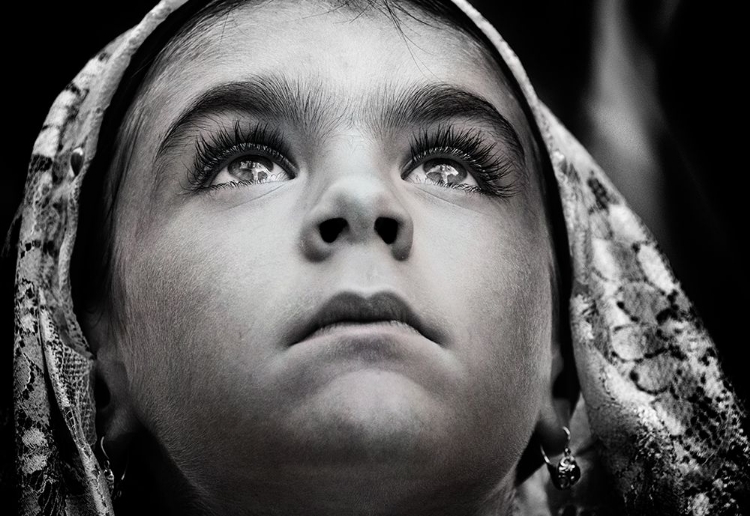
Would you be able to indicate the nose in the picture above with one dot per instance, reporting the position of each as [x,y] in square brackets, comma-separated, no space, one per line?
[357,209]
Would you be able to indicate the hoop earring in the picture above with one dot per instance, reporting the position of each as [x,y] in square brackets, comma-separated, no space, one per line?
[567,472]
[115,487]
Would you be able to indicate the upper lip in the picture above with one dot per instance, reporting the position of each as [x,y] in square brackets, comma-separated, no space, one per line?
[356,307]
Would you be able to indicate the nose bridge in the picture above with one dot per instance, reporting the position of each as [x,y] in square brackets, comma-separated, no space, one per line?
[360,199]
[356,203]
[352,182]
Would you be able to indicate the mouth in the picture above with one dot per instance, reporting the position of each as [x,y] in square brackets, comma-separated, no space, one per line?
[350,311]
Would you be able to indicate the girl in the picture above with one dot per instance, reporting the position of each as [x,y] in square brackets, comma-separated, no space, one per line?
[336,258]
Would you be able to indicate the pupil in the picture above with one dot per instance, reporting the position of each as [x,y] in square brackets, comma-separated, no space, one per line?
[255,168]
[438,170]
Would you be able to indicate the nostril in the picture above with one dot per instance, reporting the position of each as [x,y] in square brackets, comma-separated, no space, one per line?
[387,229]
[331,228]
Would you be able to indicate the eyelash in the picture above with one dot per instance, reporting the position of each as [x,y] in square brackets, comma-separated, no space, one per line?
[217,150]
[467,147]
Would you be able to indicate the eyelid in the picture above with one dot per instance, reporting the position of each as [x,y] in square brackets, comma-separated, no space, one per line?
[473,149]
[436,153]
[447,140]
[249,149]
[217,149]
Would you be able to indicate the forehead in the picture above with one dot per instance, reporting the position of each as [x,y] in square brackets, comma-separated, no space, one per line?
[341,39]
[348,59]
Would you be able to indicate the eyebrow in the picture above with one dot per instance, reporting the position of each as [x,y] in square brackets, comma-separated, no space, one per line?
[310,107]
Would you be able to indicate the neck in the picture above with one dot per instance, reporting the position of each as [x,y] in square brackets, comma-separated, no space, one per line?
[374,493]
[331,491]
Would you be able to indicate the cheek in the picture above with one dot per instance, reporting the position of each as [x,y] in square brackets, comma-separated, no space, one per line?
[494,281]
[205,311]
[193,319]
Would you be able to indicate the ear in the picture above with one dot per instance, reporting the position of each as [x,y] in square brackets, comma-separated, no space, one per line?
[558,402]
[560,399]
[115,417]
[563,389]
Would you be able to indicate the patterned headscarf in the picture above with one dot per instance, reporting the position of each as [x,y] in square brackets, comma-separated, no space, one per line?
[658,430]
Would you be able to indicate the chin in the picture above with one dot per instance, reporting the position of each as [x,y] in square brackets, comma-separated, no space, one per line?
[370,416]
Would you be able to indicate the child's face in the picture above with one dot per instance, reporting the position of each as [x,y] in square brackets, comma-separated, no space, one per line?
[219,275]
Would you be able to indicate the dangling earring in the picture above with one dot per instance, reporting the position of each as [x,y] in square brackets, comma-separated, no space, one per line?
[115,488]
[567,472]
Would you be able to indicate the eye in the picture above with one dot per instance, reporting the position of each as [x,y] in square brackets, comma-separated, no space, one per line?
[250,169]
[442,171]
[242,156]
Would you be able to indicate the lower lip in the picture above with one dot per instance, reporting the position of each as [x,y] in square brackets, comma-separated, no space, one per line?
[362,329]
[371,343]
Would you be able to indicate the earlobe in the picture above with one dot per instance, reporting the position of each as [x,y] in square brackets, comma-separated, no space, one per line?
[558,403]
[551,435]
[562,391]
[114,415]
[115,418]
[556,408]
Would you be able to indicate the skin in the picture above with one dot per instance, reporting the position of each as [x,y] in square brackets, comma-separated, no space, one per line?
[212,282]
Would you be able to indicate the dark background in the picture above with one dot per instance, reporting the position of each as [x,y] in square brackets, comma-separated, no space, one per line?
[678,67]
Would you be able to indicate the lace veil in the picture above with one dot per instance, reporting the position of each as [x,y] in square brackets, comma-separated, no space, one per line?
[656,416]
